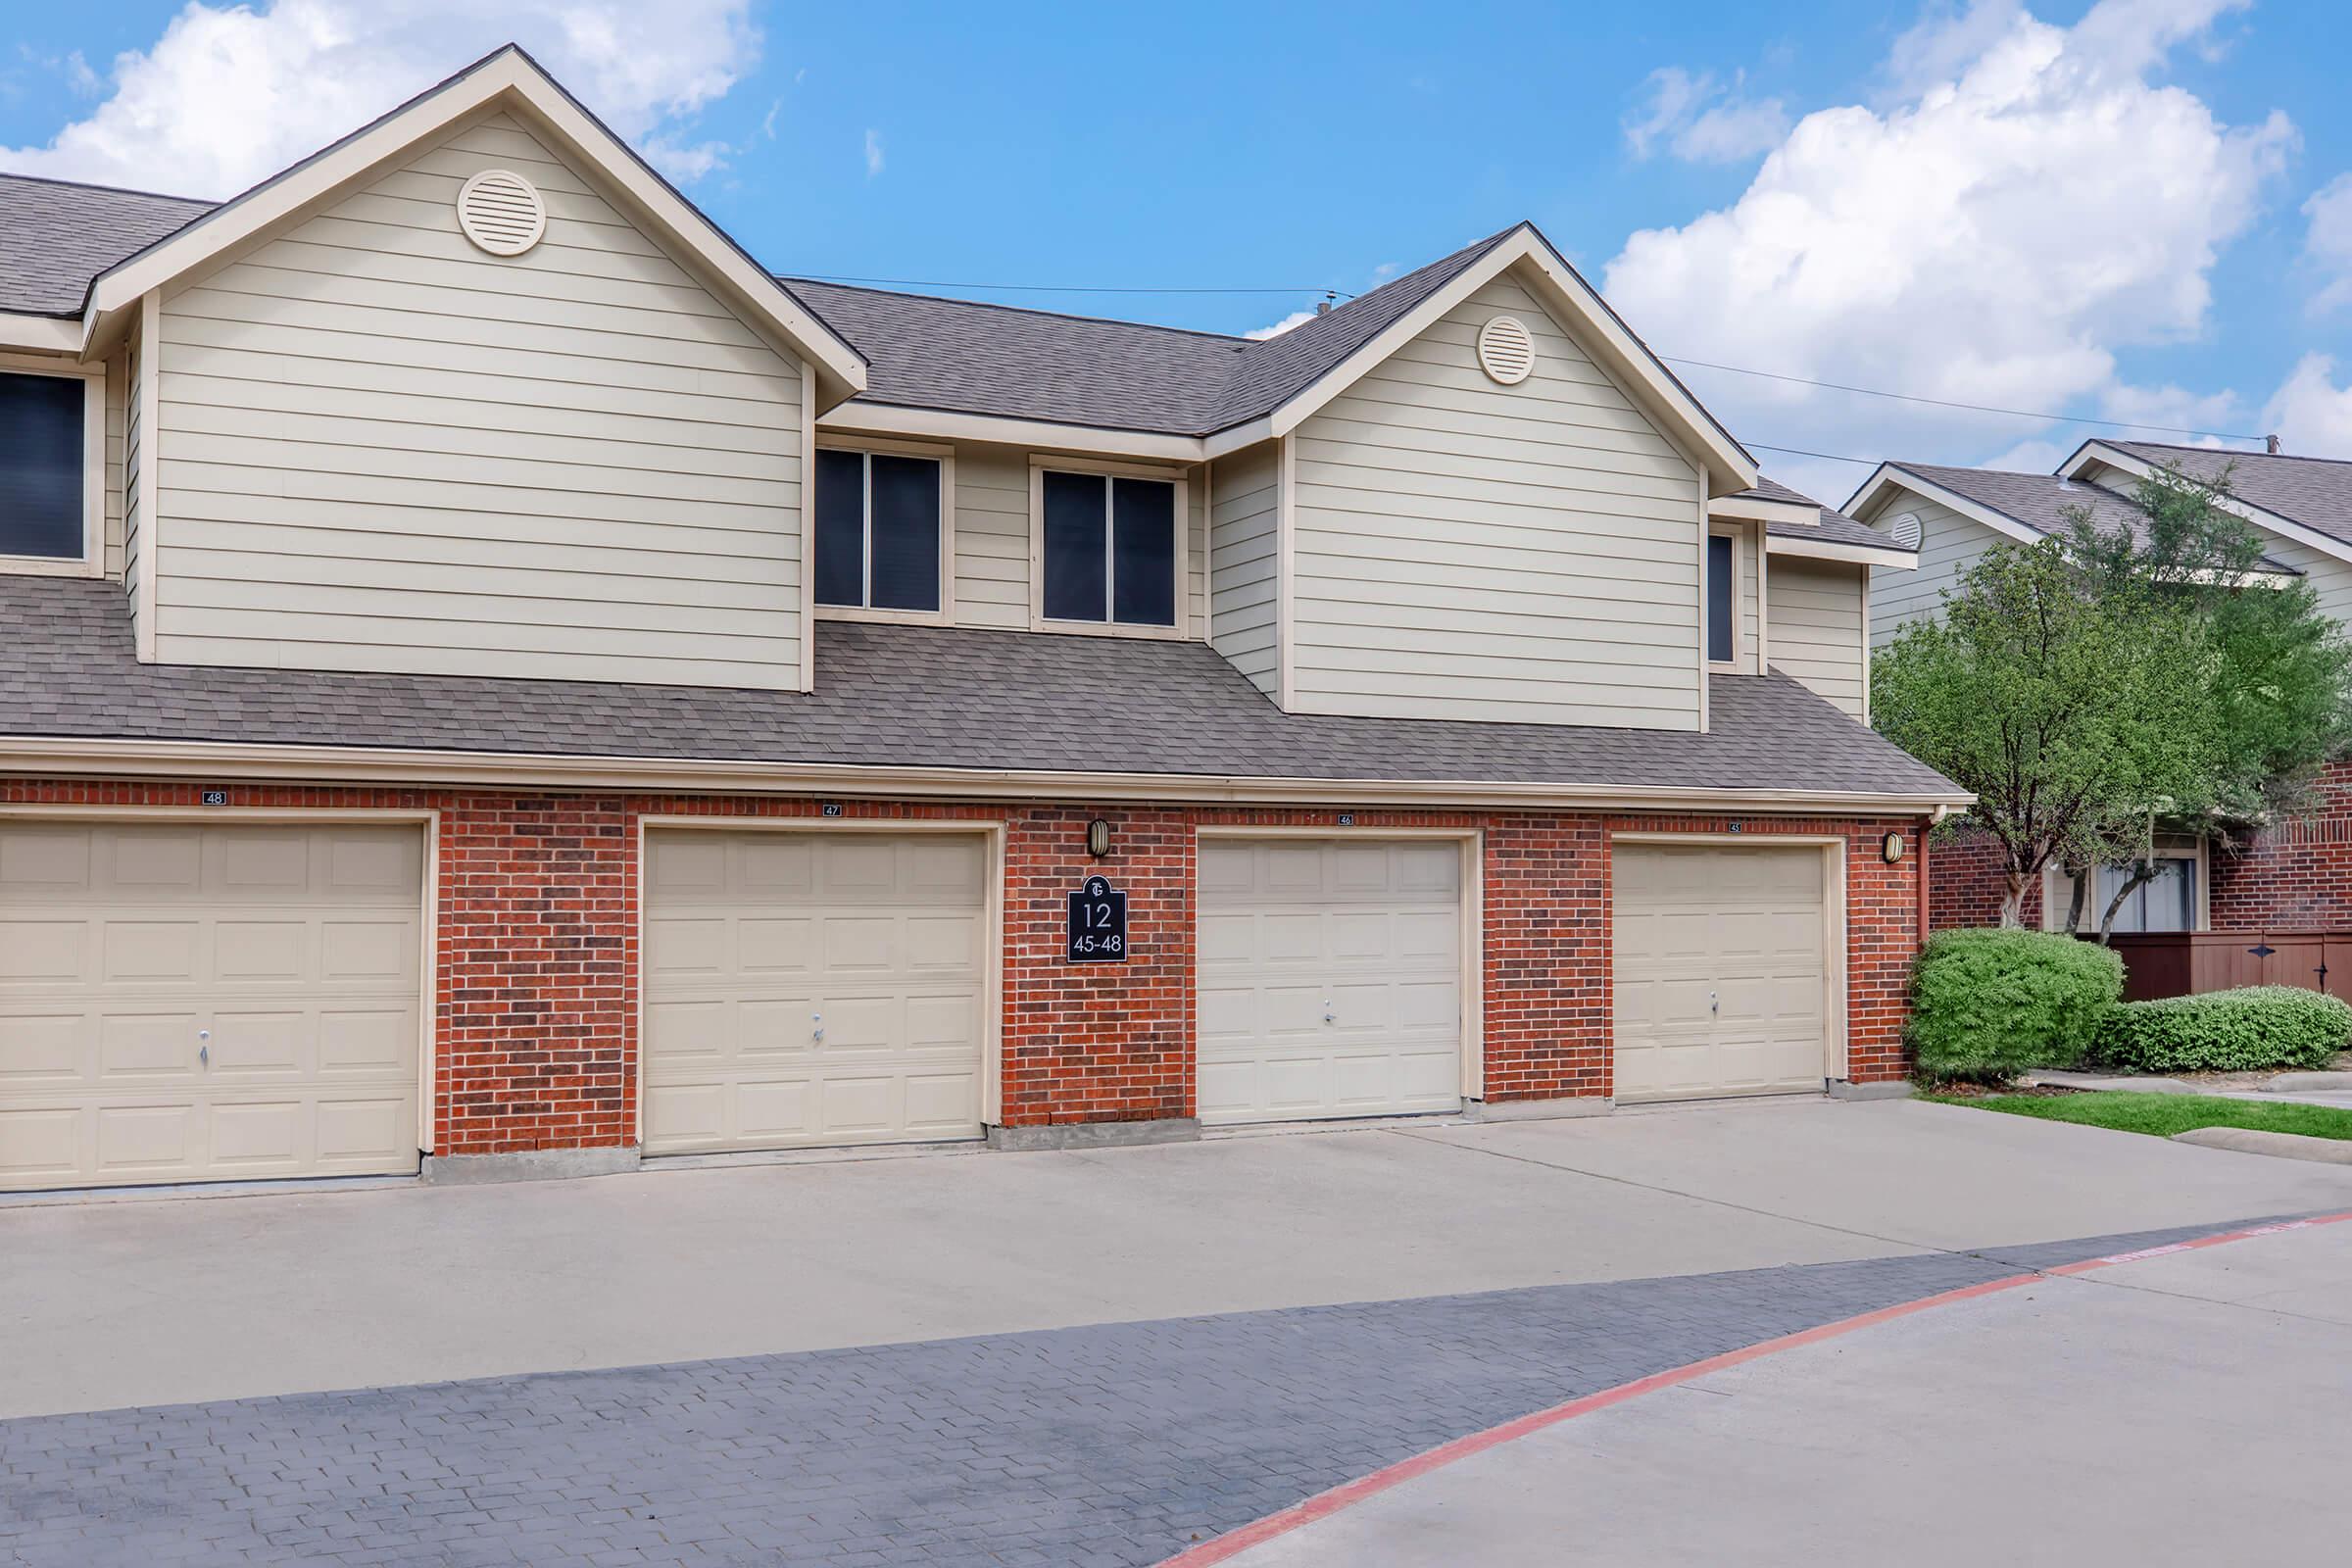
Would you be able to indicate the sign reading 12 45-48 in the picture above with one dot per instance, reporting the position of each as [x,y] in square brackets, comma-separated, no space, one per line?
[1098,931]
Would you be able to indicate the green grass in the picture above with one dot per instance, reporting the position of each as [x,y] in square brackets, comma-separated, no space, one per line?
[2162,1116]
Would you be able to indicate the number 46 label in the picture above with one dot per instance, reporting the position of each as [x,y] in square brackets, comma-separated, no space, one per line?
[1097,926]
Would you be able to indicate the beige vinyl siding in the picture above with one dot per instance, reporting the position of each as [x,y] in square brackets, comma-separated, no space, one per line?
[1948,545]
[134,543]
[386,450]
[1466,550]
[1244,563]
[992,537]
[1815,611]
[117,380]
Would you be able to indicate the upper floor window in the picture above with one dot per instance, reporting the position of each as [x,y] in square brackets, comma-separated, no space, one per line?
[1109,548]
[1723,598]
[44,468]
[880,530]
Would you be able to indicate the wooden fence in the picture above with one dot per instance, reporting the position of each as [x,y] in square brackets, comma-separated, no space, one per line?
[2186,964]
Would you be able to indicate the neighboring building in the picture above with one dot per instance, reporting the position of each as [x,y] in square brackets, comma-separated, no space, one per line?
[2297,874]
[490,671]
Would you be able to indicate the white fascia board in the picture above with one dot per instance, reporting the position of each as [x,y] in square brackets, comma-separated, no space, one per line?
[1754,508]
[857,418]
[39,335]
[1831,549]
[1620,353]
[508,74]
[2099,452]
[687,775]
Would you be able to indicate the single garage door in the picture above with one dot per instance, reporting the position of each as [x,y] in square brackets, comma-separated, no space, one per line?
[806,988]
[1721,970]
[1330,978]
[189,1002]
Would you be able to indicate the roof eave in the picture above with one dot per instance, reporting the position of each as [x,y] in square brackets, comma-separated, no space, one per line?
[73,757]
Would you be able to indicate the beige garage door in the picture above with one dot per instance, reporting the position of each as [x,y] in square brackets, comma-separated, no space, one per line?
[807,988]
[1330,978]
[189,1002]
[1721,974]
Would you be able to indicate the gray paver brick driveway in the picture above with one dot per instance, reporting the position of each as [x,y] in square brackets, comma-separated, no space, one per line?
[1111,1445]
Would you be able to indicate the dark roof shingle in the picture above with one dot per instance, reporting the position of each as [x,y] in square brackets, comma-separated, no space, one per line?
[1835,527]
[915,696]
[2316,492]
[2045,502]
[55,236]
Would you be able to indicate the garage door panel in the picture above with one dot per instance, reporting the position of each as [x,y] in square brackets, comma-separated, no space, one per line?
[881,935]
[675,946]
[1721,970]
[1368,931]
[295,948]
[43,1146]
[44,951]
[361,1130]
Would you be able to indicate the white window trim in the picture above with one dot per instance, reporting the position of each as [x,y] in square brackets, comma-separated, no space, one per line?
[2054,895]
[92,562]
[944,457]
[1736,532]
[1039,466]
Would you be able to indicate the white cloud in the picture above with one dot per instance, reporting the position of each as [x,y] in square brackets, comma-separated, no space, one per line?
[2310,414]
[2327,243]
[229,95]
[1294,319]
[873,153]
[2025,201]
[1702,121]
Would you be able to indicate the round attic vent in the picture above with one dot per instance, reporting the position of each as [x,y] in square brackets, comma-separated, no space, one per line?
[1506,351]
[1904,530]
[501,212]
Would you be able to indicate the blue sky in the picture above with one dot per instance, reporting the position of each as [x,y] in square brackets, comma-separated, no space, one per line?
[2096,210]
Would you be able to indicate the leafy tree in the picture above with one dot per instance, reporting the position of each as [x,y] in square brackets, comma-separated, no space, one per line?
[2068,712]
[2280,687]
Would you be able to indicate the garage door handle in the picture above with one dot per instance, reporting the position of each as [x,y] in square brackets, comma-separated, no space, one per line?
[204,1053]
[818,1019]
[1713,1006]
[1329,1016]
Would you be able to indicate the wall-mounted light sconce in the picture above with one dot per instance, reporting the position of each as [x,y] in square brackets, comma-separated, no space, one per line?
[1891,847]
[1098,838]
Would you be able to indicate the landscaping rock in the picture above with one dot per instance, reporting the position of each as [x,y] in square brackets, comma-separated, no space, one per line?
[2283,1146]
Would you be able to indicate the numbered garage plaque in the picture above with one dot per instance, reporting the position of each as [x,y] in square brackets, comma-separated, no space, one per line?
[1098,931]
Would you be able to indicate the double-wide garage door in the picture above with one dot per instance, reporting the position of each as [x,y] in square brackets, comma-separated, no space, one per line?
[806,988]
[182,1001]
[1330,978]
[1721,969]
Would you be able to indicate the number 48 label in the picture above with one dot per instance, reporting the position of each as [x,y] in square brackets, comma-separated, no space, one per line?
[1098,925]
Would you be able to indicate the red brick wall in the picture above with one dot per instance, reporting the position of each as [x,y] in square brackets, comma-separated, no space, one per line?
[535,1017]
[2299,875]
[1966,881]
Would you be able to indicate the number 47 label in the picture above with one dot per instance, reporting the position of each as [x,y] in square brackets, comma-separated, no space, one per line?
[1098,925]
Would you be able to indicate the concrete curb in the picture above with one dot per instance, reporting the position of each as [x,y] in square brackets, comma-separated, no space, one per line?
[2095,1081]
[1094,1135]
[2281,1146]
[2308,1083]
[530,1165]
[1536,1109]
[1897,1088]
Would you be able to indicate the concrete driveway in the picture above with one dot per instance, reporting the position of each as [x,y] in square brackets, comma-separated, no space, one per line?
[1060,1358]
[155,1302]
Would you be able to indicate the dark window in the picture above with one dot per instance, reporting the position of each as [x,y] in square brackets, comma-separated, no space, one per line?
[1110,549]
[877,530]
[41,467]
[1718,598]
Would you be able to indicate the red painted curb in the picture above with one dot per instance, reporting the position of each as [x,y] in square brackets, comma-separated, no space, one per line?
[1324,1504]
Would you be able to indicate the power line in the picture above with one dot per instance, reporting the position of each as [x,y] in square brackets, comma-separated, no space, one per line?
[1947,403]
[1801,452]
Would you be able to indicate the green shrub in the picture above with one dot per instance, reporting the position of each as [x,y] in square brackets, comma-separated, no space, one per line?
[2225,1031]
[1989,1005]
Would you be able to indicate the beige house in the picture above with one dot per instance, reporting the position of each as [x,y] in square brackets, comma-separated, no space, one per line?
[497,679]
